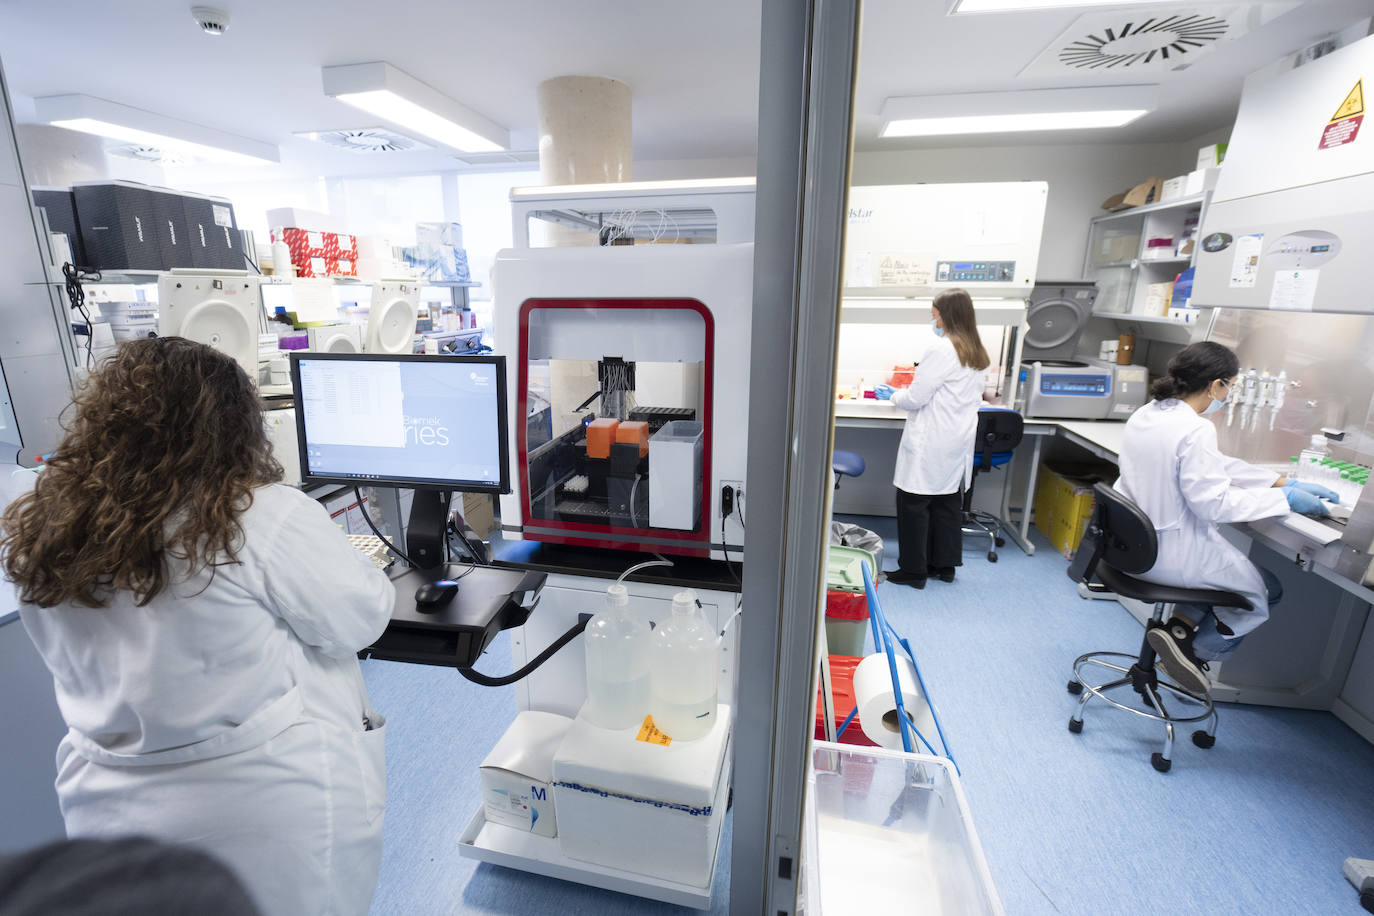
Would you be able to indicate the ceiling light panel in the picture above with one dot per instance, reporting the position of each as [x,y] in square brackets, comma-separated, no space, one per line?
[144,128]
[397,97]
[1006,112]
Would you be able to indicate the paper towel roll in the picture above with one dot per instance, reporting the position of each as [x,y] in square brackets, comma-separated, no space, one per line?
[878,706]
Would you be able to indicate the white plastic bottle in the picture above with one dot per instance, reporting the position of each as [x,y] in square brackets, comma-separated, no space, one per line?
[1310,460]
[683,701]
[617,643]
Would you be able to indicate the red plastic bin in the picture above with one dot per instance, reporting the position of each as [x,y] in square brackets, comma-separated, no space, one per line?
[842,690]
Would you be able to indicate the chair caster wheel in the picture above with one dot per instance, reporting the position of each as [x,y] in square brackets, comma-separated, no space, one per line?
[992,556]
[1160,762]
[1202,739]
[1000,542]
[1075,725]
[1075,688]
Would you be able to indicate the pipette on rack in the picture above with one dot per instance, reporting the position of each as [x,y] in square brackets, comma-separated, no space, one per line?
[1249,392]
[1262,399]
[1276,401]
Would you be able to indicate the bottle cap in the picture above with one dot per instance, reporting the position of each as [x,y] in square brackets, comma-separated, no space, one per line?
[685,601]
[618,595]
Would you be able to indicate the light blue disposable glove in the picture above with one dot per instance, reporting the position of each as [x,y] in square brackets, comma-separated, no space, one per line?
[1315,489]
[1304,502]
[882,392]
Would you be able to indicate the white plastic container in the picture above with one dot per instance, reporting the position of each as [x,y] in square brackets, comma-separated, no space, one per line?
[889,832]
[617,646]
[683,677]
[675,475]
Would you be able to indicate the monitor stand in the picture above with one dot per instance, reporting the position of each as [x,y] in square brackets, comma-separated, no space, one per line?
[427,531]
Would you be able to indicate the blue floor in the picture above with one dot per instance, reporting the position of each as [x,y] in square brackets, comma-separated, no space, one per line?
[1074,824]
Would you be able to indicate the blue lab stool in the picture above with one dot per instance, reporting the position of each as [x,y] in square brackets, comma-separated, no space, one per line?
[999,432]
[846,464]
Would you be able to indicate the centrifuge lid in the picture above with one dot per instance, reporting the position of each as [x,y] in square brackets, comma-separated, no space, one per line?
[1056,316]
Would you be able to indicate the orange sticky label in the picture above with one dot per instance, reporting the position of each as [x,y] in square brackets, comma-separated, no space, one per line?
[649,733]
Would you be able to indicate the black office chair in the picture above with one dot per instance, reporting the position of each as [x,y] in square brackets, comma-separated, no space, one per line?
[999,432]
[1119,545]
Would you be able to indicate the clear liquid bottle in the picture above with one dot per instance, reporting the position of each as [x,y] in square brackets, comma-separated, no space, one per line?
[683,701]
[617,645]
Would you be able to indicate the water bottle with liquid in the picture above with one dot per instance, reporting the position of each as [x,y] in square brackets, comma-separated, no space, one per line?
[683,699]
[617,645]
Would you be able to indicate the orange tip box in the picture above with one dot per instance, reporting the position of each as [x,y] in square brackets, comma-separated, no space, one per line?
[600,434]
[634,432]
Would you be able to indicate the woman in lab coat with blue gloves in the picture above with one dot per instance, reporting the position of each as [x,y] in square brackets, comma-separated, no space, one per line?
[201,624]
[1171,468]
[935,458]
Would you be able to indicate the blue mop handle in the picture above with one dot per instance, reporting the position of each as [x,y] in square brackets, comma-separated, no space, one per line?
[875,609]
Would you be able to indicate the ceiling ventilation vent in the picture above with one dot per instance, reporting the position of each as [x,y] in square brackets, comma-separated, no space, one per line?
[1144,41]
[1141,40]
[150,154]
[505,157]
[365,140]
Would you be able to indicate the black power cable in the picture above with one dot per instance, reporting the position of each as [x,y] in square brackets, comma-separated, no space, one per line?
[485,680]
[76,294]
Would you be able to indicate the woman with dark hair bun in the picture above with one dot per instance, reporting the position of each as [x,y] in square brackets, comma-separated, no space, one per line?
[1171,468]
[201,623]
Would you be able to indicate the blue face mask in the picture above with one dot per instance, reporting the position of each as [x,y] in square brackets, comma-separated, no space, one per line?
[1215,405]
[939,331]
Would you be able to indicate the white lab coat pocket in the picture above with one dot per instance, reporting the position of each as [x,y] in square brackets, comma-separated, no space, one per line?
[370,747]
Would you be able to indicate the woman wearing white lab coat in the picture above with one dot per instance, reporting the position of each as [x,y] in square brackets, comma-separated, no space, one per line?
[1171,468]
[935,458]
[201,624]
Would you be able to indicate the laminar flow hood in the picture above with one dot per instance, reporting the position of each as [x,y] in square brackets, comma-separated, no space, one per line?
[1291,222]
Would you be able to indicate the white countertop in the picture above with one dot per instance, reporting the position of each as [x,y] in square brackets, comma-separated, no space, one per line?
[868,409]
[1105,434]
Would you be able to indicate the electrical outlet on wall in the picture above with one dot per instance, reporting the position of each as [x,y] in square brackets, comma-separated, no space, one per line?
[734,501]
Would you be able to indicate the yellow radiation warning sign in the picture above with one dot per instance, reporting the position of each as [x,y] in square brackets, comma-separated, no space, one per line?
[1345,123]
[1353,104]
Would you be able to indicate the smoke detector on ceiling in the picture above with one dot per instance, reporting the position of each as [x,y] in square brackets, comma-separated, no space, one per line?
[211,21]
[365,140]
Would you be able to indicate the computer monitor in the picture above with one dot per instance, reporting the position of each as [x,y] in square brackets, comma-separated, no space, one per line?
[423,422]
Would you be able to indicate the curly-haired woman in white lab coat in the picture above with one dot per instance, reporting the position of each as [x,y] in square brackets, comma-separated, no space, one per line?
[201,624]
[935,458]
[1171,468]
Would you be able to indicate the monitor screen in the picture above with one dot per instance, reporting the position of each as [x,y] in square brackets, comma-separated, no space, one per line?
[402,421]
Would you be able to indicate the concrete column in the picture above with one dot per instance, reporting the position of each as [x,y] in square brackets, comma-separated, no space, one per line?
[584,130]
[584,138]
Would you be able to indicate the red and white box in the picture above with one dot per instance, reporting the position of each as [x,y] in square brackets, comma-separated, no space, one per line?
[342,267]
[338,245]
[306,248]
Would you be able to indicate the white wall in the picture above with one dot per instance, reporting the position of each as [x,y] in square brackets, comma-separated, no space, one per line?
[1080,178]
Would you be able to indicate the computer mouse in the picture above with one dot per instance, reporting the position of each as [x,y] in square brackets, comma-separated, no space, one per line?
[432,596]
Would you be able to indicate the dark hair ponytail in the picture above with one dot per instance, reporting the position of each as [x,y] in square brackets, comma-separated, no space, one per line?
[1194,368]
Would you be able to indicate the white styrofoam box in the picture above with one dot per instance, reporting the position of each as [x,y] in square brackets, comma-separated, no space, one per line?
[675,475]
[300,218]
[281,432]
[1173,188]
[1201,180]
[517,776]
[643,807]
